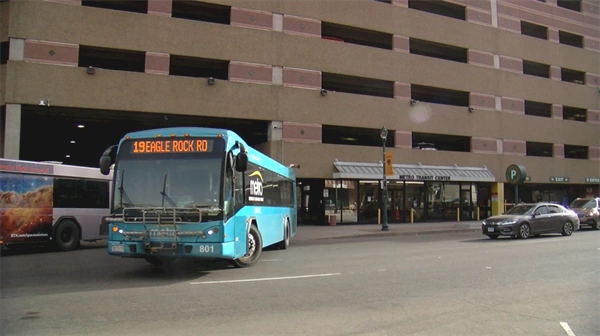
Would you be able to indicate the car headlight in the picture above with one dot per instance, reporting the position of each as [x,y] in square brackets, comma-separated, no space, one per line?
[508,222]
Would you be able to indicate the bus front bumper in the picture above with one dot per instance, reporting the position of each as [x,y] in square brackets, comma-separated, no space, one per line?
[197,250]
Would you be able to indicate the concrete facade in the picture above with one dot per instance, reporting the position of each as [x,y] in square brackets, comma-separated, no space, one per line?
[277,55]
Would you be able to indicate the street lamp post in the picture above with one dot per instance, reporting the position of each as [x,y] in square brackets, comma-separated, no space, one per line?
[384,220]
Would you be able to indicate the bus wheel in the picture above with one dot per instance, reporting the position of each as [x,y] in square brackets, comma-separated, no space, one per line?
[254,249]
[285,243]
[66,236]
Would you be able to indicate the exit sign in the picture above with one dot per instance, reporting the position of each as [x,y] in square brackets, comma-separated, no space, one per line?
[559,179]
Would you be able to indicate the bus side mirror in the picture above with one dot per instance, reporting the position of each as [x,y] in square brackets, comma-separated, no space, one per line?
[241,162]
[107,159]
[105,163]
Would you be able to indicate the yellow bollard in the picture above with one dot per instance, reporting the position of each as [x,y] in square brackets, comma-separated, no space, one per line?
[458,214]
[379,216]
[477,213]
[412,216]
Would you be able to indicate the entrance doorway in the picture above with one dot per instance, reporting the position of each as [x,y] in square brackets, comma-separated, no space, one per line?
[311,208]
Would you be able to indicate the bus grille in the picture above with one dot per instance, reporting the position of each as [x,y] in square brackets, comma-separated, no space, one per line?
[161,215]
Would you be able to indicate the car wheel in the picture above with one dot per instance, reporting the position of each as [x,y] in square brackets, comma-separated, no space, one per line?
[524,231]
[594,225]
[567,228]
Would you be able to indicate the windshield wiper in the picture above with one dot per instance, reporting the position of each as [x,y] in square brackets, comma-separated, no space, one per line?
[122,192]
[164,194]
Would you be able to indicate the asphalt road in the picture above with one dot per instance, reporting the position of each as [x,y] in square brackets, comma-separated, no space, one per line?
[443,284]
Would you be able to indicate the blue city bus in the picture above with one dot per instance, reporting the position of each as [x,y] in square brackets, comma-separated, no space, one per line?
[191,192]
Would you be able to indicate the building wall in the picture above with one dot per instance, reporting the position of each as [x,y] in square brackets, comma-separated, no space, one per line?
[493,75]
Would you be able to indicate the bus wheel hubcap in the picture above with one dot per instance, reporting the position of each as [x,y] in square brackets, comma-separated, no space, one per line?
[251,245]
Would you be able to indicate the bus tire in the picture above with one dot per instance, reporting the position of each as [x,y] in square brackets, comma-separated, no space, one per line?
[254,249]
[285,243]
[66,236]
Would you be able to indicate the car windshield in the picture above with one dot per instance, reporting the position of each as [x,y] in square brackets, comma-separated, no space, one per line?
[584,203]
[524,209]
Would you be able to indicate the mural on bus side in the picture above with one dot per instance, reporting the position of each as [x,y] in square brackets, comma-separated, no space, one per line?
[25,207]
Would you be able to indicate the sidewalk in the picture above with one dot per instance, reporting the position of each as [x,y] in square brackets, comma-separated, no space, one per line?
[320,232]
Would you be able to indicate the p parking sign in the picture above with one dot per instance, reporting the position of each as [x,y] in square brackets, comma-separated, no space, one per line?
[515,174]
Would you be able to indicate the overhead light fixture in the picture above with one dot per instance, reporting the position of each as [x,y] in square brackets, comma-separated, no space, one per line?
[72,141]
[91,70]
[211,81]
[67,156]
[323,92]
[80,126]
[413,102]
[44,102]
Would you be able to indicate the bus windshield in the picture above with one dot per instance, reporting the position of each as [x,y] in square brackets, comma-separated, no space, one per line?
[174,180]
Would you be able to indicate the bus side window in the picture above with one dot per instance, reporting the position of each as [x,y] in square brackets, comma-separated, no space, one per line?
[238,195]
[228,197]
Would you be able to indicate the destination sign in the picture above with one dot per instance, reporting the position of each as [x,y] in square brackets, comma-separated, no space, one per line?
[171,145]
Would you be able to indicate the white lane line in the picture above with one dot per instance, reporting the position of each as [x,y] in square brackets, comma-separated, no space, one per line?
[265,279]
[565,326]
[270,260]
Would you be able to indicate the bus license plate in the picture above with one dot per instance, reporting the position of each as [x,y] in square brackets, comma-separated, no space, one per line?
[117,248]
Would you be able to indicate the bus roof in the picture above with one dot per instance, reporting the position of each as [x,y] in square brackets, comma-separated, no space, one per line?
[231,137]
[51,169]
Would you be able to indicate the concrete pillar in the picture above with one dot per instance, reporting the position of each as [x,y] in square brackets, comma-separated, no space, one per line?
[11,130]
[275,138]
[497,198]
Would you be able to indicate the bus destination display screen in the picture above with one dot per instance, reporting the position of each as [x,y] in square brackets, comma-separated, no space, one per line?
[172,145]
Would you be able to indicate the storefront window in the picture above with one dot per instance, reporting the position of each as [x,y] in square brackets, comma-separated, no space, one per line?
[340,198]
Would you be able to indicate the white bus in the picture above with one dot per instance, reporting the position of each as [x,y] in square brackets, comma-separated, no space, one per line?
[48,202]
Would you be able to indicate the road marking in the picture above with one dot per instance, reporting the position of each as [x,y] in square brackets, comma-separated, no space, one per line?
[265,279]
[488,267]
[270,260]
[565,326]
[381,270]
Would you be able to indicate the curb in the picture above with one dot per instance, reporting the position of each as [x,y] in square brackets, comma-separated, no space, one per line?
[396,234]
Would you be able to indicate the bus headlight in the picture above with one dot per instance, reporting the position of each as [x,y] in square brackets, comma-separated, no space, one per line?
[211,231]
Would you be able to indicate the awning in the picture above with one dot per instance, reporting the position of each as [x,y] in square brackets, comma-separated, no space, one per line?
[402,172]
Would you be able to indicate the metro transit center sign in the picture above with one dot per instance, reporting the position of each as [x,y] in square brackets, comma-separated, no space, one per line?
[424,178]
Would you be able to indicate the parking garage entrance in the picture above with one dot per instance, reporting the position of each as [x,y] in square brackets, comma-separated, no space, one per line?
[79,136]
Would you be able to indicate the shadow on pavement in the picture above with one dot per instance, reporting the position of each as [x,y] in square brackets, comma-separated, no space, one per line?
[486,240]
